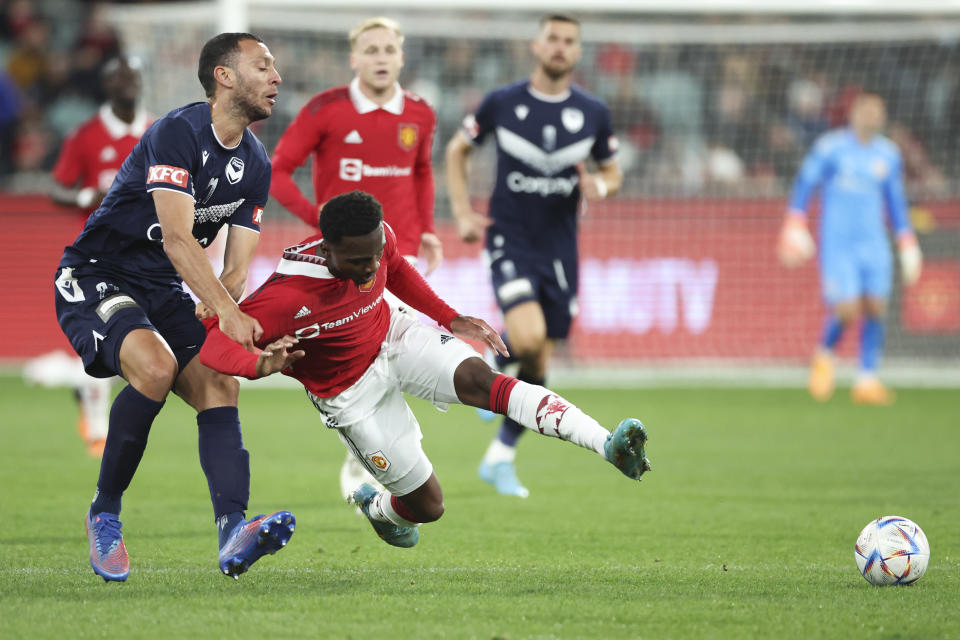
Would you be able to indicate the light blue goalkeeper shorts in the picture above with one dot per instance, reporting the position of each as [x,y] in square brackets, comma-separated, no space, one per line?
[851,272]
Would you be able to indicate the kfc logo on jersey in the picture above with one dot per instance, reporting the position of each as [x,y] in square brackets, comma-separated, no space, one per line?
[351,169]
[407,136]
[234,170]
[257,215]
[169,175]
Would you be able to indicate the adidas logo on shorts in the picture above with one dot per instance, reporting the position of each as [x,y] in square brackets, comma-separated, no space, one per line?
[444,338]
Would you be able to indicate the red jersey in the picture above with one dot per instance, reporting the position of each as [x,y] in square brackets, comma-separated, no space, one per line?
[94,152]
[341,325]
[357,144]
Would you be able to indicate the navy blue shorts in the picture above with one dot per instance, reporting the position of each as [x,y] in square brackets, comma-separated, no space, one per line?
[97,308]
[520,275]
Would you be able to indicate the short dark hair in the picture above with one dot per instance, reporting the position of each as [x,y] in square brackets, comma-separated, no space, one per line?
[356,213]
[558,17]
[219,51]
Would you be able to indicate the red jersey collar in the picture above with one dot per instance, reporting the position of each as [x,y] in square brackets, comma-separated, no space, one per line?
[363,104]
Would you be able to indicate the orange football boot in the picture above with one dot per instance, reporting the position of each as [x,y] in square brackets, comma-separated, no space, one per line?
[872,391]
[821,379]
[95,447]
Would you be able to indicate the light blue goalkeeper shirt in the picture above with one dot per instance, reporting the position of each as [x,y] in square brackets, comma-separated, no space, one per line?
[858,182]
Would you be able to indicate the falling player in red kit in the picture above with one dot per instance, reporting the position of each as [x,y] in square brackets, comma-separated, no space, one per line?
[326,323]
[370,135]
[88,161]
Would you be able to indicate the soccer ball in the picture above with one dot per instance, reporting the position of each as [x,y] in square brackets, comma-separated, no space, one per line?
[892,550]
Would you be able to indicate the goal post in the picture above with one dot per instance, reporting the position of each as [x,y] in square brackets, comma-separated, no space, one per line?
[714,103]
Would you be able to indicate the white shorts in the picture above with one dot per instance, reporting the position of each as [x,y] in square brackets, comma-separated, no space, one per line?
[372,416]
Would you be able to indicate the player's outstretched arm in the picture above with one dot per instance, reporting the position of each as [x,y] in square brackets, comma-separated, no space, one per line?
[470,224]
[175,213]
[277,356]
[471,328]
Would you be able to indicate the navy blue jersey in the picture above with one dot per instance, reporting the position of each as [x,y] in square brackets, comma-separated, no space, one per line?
[540,139]
[179,152]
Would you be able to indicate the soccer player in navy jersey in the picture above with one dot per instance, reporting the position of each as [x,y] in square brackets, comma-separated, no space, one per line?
[545,128]
[121,302]
[859,173]
[327,324]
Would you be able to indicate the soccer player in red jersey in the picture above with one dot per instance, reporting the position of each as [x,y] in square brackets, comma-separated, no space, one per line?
[92,155]
[88,161]
[370,135]
[327,324]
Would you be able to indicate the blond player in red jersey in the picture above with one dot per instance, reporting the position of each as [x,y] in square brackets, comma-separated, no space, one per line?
[88,161]
[356,354]
[370,135]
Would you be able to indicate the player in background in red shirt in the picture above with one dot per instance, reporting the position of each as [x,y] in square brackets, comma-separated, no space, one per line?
[370,135]
[357,354]
[88,161]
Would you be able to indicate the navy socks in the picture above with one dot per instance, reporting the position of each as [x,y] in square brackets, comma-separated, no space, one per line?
[131,417]
[224,460]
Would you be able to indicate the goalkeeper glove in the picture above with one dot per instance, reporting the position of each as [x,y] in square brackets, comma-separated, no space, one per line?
[795,245]
[911,260]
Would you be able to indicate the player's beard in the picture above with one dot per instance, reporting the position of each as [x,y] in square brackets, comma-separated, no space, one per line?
[554,72]
[245,103]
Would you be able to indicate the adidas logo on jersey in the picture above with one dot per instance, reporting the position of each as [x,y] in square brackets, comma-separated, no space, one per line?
[353,137]
[444,338]
[304,312]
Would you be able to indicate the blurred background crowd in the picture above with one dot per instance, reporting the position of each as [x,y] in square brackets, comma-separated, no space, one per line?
[717,119]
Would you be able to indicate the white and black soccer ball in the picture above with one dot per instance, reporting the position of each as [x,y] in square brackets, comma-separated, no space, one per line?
[892,550]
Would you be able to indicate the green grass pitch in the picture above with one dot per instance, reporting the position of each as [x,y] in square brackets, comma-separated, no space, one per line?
[744,529]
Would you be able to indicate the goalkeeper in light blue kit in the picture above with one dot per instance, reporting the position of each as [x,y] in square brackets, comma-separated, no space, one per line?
[859,174]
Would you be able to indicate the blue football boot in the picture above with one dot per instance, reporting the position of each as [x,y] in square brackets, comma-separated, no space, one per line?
[252,539]
[108,555]
[503,476]
[624,448]
[390,533]
[486,415]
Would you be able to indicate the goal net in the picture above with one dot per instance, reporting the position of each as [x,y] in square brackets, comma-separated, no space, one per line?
[713,114]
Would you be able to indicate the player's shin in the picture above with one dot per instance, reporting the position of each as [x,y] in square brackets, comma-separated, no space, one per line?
[226,464]
[871,345]
[539,409]
[131,417]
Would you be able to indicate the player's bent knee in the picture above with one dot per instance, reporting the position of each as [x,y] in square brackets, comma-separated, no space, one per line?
[151,376]
[472,381]
[214,390]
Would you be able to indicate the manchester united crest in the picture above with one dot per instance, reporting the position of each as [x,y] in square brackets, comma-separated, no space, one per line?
[407,135]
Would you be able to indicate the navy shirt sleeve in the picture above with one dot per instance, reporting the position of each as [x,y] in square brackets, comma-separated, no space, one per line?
[171,151]
[476,126]
[605,145]
[250,213]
